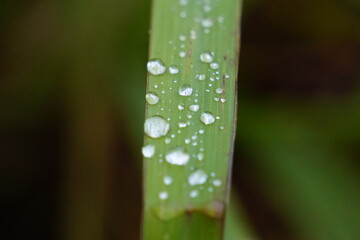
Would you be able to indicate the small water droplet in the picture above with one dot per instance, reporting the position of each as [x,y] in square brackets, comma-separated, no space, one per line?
[223,100]
[200,156]
[219,91]
[207,118]
[182,38]
[156,127]
[156,67]
[152,98]
[187,140]
[182,54]
[194,193]
[177,156]
[182,125]
[167,140]
[201,77]
[201,131]
[207,23]
[194,108]
[214,65]
[167,180]
[192,34]
[185,90]
[197,178]
[163,195]
[183,14]
[148,151]
[206,57]
[173,70]
[217,182]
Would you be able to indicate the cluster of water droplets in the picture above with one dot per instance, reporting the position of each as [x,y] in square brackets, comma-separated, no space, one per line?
[157,127]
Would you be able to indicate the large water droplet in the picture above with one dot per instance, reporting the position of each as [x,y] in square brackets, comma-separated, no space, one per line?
[206,57]
[152,98]
[148,151]
[185,90]
[156,67]
[207,118]
[197,178]
[156,127]
[177,156]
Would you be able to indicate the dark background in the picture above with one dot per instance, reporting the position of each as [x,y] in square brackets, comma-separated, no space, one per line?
[72,83]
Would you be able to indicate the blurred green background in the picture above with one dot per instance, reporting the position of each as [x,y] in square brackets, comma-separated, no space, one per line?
[72,83]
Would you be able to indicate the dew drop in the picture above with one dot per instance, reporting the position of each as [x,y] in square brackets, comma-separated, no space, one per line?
[214,66]
[187,140]
[194,193]
[181,107]
[152,98]
[206,57]
[194,108]
[207,23]
[207,118]
[219,91]
[148,151]
[156,67]
[217,182]
[197,178]
[182,38]
[202,77]
[156,127]
[182,125]
[177,156]
[163,195]
[182,54]
[200,156]
[173,70]
[167,180]
[185,90]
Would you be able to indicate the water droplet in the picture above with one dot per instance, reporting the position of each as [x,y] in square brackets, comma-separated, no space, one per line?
[182,125]
[200,156]
[173,70]
[217,182]
[192,34]
[207,23]
[167,180]
[167,140]
[207,118]
[194,193]
[177,156]
[194,108]
[156,67]
[183,14]
[197,178]
[214,65]
[183,2]
[185,90]
[148,151]
[182,38]
[223,100]
[202,77]
[206,57]
[152,98]
[163,195]
[221,19]
[222,127]
[219,91]
[182,54]
[180,107]
[156,127]
[201,131]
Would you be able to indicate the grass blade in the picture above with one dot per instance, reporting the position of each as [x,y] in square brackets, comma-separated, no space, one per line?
[190,118]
